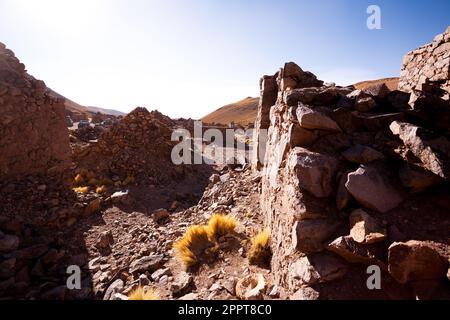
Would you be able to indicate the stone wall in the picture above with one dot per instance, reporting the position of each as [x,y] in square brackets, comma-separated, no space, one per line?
[428,67]
[33,133]
[340,171]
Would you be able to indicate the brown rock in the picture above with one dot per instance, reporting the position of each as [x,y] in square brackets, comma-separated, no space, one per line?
[309,236]
[365,229]
[104,242]
[251,287]
[301,137]
[415,261]
[305,294]
[354,252]
[431,149]
[371,186]
[365,104]
[160,215]
[313,119]
[315,171]
[93,207]
[417,179]
[379,90]
[318,268]
[149,263]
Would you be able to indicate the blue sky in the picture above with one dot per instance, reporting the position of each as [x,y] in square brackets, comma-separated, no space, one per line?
[188,57]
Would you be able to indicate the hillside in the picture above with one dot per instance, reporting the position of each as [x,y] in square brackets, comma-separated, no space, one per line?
[391,83]
[77,108]
[242,112]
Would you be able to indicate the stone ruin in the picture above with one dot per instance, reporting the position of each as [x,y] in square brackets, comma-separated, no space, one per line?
[33,134]
[428,68]
[353,178]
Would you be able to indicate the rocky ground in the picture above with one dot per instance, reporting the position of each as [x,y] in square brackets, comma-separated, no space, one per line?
[128,247]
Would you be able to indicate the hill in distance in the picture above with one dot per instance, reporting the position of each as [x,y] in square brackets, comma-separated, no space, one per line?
[77,108]
[244,112]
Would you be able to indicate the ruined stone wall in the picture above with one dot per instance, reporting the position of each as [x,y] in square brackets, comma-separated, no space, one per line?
[428,66]
[33,133]
[340,169]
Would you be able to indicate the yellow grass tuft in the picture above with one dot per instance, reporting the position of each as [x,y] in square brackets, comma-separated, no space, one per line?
[141,294]
[192,245]
[260,252]
[101,190]
[81,190]
[220,225]
[198,239]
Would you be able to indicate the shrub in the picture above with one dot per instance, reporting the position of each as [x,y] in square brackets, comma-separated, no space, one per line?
[260,252]
[81,190]
[141,294]
[220,225]
[192,245]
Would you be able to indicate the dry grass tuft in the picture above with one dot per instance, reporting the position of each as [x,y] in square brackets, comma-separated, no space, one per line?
[141,294]
[83,190]
[192,245]
[260,252]
[199,240]
[220,225]
[101,190]
[78,180]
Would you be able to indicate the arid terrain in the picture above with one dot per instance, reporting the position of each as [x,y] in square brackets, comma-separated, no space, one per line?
[350,178]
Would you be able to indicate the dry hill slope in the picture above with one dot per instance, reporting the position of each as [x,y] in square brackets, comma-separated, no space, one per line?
[241,112]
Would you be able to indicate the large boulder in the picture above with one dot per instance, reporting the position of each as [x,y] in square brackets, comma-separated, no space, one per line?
[371,186]
[318,268]
[315,171]
[293,77]
[355,252]
[432,150]
[415,261]
[310,236]
[314,119]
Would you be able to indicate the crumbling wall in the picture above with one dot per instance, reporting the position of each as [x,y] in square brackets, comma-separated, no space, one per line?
[428,67]
[33,133]
[340,171]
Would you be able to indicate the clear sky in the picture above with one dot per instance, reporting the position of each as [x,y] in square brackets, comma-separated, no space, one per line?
[188,57]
